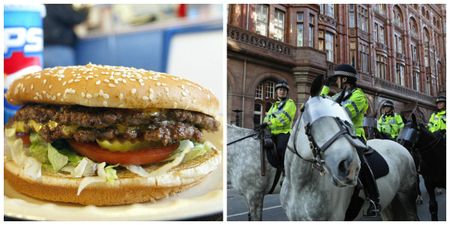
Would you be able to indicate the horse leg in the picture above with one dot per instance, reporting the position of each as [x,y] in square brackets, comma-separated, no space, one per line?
[255,204]
[432,203]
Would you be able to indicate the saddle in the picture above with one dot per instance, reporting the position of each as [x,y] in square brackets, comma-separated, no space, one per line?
[379,168]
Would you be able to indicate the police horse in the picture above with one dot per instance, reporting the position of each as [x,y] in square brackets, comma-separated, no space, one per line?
[430,149]
[322,165]
[244,169]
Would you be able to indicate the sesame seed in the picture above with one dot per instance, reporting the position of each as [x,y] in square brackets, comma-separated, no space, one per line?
[121,96]
[133,91]
[111,85]
[184,93]
[106,96]
[105,103]
[83,94]
[88,95]
[98,82]
[45,81]
[145,98]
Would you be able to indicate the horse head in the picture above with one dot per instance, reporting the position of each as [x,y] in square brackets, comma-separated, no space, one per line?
[324,136]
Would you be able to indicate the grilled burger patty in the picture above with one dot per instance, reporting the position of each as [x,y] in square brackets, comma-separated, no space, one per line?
[86,124]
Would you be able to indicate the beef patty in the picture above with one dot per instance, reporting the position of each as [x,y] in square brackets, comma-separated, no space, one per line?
[86,124]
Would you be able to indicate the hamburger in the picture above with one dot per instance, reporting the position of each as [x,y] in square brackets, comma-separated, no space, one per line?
[108,135]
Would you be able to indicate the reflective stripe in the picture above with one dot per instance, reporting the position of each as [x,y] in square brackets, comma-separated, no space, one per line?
[287,115]
[348,111]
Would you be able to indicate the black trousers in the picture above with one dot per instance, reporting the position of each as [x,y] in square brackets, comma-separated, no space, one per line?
[367,179]
[281,141]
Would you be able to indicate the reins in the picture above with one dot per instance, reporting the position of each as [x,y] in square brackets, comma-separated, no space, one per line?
[241,139]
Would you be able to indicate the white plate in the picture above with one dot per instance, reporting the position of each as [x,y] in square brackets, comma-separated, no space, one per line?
[201,200]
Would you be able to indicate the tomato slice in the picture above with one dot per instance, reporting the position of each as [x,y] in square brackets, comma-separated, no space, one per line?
[137,157]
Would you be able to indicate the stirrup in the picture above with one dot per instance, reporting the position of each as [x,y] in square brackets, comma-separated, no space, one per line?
[373,210]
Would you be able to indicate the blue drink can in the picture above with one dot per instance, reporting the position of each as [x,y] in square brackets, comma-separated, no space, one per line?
[24,43]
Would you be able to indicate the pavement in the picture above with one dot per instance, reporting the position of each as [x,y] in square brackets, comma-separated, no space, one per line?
[237,208]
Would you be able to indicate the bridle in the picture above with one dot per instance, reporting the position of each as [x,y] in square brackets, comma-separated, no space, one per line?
[345,130]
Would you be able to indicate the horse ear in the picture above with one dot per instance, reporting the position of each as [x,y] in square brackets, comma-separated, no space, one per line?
[316,86]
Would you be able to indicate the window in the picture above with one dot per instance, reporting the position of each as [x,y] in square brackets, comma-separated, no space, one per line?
[400,74]
[311,30]
[300,29]
[327,9]
[375,32]
[329,44]
[279,25]
[262,19]
[381,32]
[321,41]
[398,43]
[264,97]
[363,18]
[398,20]
[353,53]
[380,9]
[351,16]
[364,57]
[416,80]
[426,44]
[378,33]
[381,67]
[414,52]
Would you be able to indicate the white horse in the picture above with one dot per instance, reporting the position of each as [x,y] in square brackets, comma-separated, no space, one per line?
[244,170]
[323,191]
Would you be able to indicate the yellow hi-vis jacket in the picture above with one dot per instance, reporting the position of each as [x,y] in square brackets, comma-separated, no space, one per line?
[356,104]
[281,116]
[390,124]
[437,122]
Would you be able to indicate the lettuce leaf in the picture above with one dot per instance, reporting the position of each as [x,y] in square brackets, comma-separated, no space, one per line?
[56,159]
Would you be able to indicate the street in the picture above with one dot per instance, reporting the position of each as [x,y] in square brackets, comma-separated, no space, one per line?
[237,208]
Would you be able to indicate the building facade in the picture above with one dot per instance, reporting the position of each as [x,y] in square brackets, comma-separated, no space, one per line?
[398,51]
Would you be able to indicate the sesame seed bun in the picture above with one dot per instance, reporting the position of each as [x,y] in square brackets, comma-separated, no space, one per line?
[129,188]
[111,86]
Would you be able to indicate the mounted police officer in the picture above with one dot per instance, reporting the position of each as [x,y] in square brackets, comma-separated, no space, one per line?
[390,123]
[437,120]
[356,104]
[279,120]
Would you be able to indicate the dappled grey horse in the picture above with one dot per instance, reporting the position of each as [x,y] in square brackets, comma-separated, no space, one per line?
[244,170]
[320,180]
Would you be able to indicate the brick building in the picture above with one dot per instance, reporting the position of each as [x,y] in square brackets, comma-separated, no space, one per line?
[398,51]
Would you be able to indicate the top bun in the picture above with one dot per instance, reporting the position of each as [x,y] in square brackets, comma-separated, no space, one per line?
[113,87]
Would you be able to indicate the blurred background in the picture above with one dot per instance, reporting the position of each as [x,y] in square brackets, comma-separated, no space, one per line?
[180,39]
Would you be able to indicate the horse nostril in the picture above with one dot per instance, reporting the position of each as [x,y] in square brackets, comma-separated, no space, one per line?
[344,167]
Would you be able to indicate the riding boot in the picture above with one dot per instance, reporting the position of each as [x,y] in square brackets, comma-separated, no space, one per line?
[370,188]
[268,142]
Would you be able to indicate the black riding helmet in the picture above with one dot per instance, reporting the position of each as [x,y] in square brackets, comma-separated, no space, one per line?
[388,103]
[345,70]
[440,98]
[282,84]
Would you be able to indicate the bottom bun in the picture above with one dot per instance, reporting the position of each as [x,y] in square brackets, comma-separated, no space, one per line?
[128,189]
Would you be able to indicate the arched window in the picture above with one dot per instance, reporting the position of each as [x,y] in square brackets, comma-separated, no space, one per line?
[264,98]
[398,17]
[413,28]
